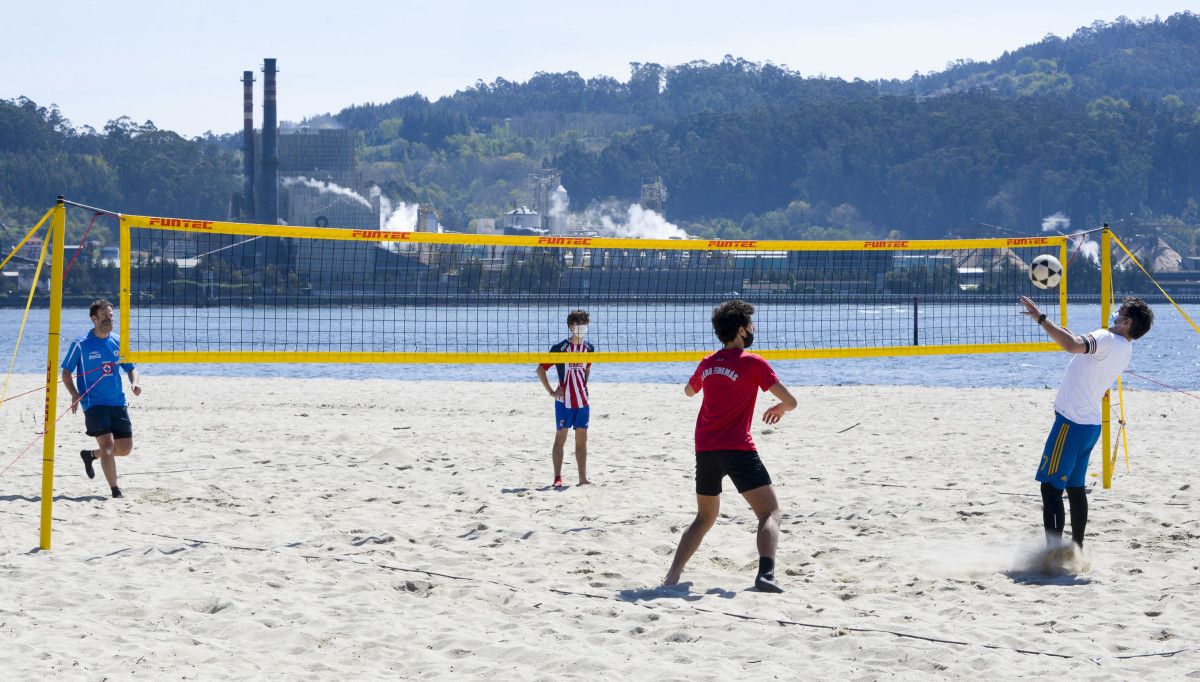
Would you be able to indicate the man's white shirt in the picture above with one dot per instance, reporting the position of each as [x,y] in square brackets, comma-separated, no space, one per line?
[1090,374]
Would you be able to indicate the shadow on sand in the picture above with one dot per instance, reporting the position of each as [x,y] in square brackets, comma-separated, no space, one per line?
[57,498]
[1039,578]
[681,591]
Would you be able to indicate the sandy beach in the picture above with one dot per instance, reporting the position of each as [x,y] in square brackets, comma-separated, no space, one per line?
[325,529]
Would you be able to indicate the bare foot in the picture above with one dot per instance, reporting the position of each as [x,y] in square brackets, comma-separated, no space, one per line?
[584,482]
[670,580]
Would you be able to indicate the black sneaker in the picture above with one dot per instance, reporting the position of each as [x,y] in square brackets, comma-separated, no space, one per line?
[117,493]
[88,458]
[765,582]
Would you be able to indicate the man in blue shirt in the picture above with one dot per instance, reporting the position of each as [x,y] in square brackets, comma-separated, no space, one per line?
[90,374]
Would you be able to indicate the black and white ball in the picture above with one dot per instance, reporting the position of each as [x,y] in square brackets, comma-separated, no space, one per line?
[1045,271]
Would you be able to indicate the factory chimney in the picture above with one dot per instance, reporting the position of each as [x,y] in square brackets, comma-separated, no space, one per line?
[248,144]
[269,212]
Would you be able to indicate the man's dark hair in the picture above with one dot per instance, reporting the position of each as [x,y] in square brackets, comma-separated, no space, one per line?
[729,317]
[577,317]
[97,305]
[1140,314]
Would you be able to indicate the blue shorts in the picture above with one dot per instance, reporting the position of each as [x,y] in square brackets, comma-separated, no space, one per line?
[1065,459]
[570,417]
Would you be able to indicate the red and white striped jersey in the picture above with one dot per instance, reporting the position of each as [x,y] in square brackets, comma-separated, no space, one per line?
[572,376]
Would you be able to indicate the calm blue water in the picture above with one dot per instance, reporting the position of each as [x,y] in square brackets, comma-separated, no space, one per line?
[1170,353]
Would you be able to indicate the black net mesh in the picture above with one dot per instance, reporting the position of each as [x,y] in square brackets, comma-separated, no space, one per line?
[242,294]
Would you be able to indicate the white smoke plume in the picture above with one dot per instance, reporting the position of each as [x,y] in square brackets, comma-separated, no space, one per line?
[399,218]
[327,188]
[558,202]
[1087,248]
[634,221]
[1056,222]
[322,122]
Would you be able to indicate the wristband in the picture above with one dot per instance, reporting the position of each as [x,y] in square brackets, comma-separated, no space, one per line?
[1041,318]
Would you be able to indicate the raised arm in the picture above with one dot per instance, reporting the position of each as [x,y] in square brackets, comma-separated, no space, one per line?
[1072,343]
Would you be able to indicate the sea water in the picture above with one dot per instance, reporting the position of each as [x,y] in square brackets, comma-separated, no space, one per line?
[1169,354]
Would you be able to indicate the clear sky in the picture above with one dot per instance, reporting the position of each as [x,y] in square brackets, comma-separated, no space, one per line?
[179,63]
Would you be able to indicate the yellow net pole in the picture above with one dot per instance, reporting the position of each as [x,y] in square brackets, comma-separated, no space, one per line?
[126,308]
[1123,436]
[1062,286]
[1105,311]
[58,232]
[1123,432]
[1124,425]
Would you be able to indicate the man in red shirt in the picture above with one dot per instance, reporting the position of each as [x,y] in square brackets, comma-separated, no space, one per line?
[731,379]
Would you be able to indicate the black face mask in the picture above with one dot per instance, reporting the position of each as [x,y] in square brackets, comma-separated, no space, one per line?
[749,339]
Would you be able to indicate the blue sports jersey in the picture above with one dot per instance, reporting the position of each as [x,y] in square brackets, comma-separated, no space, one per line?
[93,361]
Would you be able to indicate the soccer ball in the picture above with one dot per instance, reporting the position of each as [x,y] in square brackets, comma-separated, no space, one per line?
[1045,271]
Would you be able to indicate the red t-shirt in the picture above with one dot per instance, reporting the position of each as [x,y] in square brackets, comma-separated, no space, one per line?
[730,380]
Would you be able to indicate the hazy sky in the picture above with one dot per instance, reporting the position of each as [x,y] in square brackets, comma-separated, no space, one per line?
[179,63]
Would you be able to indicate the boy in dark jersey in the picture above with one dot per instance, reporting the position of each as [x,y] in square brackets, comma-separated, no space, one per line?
[571,407]
[730,380]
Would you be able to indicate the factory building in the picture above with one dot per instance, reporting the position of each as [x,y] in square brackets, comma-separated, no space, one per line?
[309,177]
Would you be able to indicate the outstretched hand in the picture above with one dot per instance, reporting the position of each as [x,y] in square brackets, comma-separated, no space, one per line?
[774,414]
[1031,309]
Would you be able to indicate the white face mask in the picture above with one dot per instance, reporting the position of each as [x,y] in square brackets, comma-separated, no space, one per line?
[580,330]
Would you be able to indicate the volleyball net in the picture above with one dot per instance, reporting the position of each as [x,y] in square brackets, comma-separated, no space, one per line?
[209,291]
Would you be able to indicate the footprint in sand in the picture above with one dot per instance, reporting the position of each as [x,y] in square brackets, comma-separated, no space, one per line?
[417,588]
[212,606]
[682,638]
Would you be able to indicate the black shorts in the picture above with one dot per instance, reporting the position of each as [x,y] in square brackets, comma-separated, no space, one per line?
[743,467]
[103,419]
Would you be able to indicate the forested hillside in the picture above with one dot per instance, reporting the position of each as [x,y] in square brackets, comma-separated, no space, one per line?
[1125,59]
[127,167]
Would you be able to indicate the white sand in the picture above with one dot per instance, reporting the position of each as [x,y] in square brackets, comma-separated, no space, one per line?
[372,529]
